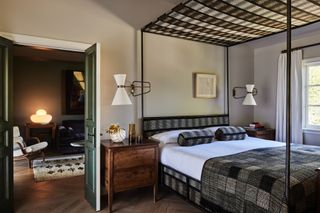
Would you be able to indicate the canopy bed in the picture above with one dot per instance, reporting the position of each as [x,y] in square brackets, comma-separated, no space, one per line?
[228,23]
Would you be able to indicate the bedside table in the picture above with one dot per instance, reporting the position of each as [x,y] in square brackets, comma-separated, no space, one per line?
[129,166]
[267,133]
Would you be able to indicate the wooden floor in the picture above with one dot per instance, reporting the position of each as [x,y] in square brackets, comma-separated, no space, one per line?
[67,196]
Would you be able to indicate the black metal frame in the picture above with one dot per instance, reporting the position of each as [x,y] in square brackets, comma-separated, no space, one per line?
[227,80]
[288,28]
[288,112]
[147,132]
[302,47]
[142,74]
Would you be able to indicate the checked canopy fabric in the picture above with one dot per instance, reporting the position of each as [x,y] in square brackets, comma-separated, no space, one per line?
[230,22]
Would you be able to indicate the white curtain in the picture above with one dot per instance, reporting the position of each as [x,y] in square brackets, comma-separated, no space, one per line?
[296,98]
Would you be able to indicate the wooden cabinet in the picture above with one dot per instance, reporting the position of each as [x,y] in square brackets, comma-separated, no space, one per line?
[129,166]
[45,132]
[268,134]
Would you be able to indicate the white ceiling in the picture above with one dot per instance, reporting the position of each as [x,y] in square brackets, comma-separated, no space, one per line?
[138,13]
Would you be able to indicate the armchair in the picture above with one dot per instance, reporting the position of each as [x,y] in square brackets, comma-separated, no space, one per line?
[68,132]
[21,150]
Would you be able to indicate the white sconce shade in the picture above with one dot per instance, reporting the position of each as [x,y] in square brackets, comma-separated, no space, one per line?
[120,79]
[121,97]
[249,100]
[41,117]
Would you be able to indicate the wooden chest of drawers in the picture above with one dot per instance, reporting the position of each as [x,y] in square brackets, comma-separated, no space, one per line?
[129,166]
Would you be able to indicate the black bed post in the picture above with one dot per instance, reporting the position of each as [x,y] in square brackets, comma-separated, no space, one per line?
[288,104]
[228,103]
[142,79]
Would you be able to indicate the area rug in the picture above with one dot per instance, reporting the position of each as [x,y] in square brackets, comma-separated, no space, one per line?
[58,168]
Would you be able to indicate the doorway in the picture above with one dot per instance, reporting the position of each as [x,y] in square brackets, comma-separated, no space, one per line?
[91,116]
[45,79]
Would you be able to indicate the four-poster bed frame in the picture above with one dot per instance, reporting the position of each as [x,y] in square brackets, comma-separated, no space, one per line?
[228,23]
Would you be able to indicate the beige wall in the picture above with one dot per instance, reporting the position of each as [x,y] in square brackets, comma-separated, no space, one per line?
[95,21]
[40,85]
[169,63]
[81,21]
[241,73]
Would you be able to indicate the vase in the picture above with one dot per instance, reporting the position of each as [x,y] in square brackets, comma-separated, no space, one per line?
[118,136]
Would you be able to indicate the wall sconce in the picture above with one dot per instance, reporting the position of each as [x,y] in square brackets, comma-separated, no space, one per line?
[121,97]
[248,98]
[41,117]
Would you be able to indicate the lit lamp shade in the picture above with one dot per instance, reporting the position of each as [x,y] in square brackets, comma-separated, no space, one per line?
[121,97]
[41,117]
[249,100]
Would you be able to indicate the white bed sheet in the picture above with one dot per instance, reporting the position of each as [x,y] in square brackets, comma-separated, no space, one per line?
[190,159]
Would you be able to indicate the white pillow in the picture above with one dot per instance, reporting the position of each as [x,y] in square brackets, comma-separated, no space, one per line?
[170,136]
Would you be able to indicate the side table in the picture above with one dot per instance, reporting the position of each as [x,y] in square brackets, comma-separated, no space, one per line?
[43,136]
[267,133]
[129,166]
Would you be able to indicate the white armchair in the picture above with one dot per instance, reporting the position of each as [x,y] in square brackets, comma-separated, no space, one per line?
[21,150]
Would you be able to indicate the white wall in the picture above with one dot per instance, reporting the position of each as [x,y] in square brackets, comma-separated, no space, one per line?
[240,74]
[169,63]
[265,78]
[95,21]
[81,21]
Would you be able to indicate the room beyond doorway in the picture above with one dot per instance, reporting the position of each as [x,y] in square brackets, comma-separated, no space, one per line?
[92,110]
[52,80]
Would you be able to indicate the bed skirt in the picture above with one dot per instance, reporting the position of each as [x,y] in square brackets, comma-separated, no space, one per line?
[187,187]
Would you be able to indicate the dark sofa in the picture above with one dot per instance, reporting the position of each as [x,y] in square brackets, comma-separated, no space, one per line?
[70,131]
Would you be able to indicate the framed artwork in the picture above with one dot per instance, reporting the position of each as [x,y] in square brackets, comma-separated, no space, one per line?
[75,91]
[205,85]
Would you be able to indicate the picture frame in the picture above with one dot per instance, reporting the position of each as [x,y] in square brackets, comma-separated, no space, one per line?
[75,92]
[205,85]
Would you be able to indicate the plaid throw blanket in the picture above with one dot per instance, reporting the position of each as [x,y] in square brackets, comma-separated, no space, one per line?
[253,181]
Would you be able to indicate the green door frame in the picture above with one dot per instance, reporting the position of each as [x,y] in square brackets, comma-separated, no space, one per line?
[92,126]
[71,46]
[6,132]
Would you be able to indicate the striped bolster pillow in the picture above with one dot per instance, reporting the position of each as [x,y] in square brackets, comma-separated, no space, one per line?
[195,137]
[230,133]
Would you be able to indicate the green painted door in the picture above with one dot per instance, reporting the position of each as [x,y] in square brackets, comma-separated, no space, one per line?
[92,127]
[6,152]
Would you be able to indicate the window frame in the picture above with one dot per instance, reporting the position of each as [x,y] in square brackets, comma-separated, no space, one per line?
[305,89]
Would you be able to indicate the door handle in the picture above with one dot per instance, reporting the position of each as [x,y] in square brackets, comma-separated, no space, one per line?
[93,134]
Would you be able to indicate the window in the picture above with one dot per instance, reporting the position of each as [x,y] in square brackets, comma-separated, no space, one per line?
[311,97]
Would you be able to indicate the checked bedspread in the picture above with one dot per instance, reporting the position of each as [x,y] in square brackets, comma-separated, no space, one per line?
[253,181]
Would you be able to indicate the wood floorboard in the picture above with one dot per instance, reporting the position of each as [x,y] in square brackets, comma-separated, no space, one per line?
[67,196]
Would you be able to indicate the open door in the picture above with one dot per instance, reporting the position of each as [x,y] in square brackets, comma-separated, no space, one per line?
[92,126]
[6,156]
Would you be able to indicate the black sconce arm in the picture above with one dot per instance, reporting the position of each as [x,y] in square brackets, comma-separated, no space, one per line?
[234,95]
[138,85]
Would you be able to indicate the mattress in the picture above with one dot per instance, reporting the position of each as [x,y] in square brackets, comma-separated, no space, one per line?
[190,160]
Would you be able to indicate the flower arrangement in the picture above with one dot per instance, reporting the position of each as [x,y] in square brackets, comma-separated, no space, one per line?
[117,134]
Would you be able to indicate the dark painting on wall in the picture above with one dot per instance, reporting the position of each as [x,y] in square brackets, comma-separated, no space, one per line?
[75,91]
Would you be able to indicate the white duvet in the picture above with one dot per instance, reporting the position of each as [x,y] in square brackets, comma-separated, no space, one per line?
[189,160]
